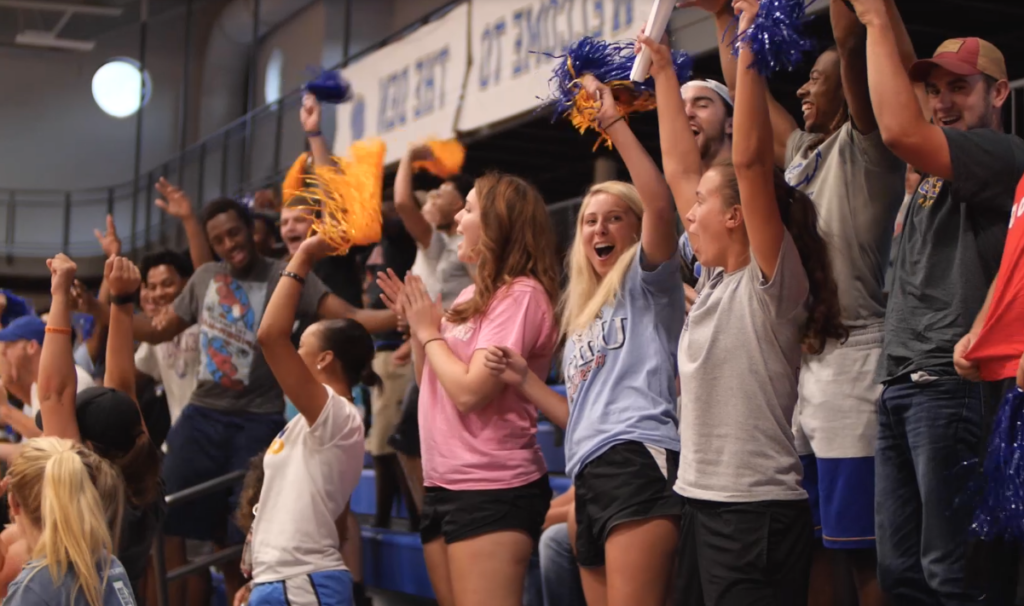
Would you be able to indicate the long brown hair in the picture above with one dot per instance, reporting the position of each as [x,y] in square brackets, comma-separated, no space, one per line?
[516,241]
[801,220]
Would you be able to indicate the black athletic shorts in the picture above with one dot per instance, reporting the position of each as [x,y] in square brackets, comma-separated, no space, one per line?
[458,515]
[736,554]
[629,481]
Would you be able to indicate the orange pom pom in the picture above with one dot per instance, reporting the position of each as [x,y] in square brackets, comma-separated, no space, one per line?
[295,178]
[349,196]
[447,161]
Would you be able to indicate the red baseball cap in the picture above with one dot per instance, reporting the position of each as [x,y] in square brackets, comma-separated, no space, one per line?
[964,57]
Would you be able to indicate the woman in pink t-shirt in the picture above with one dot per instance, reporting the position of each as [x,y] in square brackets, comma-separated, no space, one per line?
[487,488]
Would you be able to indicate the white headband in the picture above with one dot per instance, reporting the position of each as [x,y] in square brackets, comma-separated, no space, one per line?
[718,87]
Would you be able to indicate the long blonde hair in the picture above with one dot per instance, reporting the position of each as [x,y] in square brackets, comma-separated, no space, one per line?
[516,241]
[587,292]
[74,498]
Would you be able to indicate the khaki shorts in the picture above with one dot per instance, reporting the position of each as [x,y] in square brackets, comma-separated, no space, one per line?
[386,401]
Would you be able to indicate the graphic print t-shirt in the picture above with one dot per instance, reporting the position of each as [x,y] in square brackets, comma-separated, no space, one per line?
[175,364]
[620,373]
[949,251]
[999,346]
[233,375]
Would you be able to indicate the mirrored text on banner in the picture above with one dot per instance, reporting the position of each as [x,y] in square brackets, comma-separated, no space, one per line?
[408,91]
[507,79]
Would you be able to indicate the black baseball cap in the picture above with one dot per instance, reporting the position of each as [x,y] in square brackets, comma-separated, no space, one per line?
[106,417]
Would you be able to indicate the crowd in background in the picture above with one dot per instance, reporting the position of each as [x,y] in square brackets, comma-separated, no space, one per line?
[797,381]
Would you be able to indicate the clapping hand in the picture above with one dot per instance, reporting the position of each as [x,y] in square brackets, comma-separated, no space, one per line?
[423,314]
[391,292]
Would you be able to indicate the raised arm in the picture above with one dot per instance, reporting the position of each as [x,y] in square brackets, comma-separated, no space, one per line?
[176,203]
[752,158]
[309,117]
[124,279]
[275,335]
[58,382]
[680,155]
[904,128]
[658,234]
[405,201]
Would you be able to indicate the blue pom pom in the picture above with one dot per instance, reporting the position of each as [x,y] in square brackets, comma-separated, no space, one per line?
[776,38]
[608,62]
[1000,511]
[330,87]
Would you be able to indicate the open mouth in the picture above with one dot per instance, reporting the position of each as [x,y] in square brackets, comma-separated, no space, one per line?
[949,120]
[806,106]
[604,250]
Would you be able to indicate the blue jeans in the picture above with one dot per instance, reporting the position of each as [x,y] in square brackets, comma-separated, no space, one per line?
[560,577]
[926,434]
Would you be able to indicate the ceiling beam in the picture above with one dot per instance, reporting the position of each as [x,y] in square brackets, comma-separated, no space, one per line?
[81,9]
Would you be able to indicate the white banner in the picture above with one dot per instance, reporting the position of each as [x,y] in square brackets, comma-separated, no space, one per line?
[409,90]
[506,79]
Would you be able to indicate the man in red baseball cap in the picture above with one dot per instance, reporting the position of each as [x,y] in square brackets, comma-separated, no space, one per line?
[930,418]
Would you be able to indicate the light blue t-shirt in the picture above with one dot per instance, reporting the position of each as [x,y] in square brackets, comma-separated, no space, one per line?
[35,587]
[620,374]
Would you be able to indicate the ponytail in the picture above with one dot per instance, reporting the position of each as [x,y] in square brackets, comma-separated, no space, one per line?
[73,498]
[74,528]
[824,320]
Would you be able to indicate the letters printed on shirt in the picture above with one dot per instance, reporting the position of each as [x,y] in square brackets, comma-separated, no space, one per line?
[1017,211]
[929,190]
[802,174]
[228,323]
[590,348]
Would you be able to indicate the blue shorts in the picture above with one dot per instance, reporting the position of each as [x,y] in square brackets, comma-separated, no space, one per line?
[205,444]
[842,498]
[327,588]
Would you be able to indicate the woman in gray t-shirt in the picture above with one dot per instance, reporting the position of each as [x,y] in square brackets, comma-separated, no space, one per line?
[766,294]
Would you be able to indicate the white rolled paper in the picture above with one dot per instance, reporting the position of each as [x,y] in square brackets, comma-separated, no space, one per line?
[657,22]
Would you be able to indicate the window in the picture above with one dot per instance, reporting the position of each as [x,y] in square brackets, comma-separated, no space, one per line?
[120,87]
[272,77]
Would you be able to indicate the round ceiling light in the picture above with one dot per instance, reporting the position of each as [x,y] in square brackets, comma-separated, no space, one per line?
[120,87]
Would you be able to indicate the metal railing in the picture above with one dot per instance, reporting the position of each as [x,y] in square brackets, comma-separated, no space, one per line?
[250,153]
[36,223]
[163,576]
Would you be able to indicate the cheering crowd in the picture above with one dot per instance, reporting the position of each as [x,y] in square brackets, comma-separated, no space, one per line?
[799,381]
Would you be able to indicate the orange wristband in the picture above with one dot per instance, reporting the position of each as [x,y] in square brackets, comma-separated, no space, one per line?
[59,330]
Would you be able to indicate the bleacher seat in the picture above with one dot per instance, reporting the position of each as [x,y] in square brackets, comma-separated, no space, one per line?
[393,561]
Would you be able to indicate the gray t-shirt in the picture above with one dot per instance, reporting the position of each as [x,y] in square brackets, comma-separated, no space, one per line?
[949,252]
[233,375]
[856,185]
[739,357]
[35,587]
[439,267]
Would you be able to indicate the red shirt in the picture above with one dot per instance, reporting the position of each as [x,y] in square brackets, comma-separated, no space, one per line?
[999,347]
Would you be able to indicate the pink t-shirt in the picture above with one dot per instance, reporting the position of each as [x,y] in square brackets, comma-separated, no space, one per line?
[494,446]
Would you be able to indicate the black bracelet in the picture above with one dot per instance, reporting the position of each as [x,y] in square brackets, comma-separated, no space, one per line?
[612,123]
[122,299]
[314,134]
[294,276]
[432,340]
